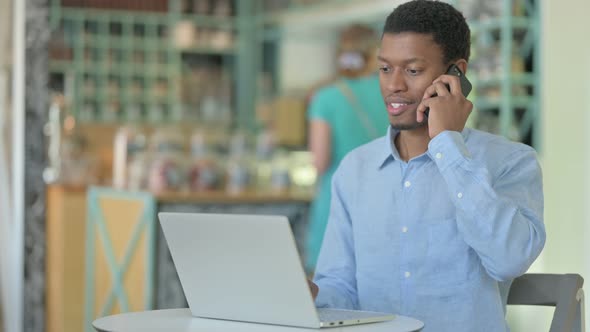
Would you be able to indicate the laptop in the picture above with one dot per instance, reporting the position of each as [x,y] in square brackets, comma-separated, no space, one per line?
[247,268]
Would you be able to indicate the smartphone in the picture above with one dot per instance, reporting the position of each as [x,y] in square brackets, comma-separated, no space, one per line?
[465,84]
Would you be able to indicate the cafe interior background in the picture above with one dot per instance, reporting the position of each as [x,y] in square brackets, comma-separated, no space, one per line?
[100,98]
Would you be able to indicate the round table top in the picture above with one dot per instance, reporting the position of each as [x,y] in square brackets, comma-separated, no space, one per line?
[181,320]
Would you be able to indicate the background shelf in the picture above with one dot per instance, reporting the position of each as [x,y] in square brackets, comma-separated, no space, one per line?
[170,58]
[184,56]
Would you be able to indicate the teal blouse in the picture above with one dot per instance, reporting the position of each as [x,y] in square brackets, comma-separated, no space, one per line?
[348,131]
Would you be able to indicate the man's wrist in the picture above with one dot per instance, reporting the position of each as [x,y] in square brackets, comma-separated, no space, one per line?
[313,288]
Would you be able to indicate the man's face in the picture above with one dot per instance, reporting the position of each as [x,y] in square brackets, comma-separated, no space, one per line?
[408,63]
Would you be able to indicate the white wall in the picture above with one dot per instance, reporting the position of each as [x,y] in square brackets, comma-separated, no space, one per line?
[566,117]
[305,60]
[307,49]
[566,149]
[565,154]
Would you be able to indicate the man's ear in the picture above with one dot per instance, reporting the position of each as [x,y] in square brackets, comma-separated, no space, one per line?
[462,64]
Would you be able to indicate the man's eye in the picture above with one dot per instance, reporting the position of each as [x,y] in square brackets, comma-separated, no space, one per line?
[384,69]
[413,72]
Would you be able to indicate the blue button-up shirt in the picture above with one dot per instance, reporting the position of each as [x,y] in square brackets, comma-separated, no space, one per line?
[438,238]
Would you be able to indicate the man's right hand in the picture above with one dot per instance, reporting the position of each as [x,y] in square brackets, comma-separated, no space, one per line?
[313,288]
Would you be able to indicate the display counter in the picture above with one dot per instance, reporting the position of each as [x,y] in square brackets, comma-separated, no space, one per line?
[222,197]
[67,233]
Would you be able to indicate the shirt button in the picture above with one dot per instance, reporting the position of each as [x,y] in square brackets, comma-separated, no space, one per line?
[404,229]
[407,184]
[439,155]
[407,274]
[460,195]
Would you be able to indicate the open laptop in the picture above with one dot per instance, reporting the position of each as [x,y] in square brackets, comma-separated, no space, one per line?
[247,268]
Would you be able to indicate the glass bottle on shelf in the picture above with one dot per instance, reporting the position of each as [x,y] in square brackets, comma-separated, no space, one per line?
[167,171]
[53,131]
[238,176]
[139,160]
[265,150]
[78,167]
[302,173]
[221,39]
[238,164]
[184,35]
[280,179]
[203,173]
[138,171]
[129,142]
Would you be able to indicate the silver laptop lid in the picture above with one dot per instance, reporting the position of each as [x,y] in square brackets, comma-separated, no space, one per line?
[240,267]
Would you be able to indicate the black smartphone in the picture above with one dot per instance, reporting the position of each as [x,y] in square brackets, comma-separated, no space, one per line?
[465,84]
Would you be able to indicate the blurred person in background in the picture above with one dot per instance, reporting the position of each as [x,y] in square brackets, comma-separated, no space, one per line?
[342,115]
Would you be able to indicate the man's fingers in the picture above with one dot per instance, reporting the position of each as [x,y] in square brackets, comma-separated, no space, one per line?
[436,89]
[420,116]
[452,82]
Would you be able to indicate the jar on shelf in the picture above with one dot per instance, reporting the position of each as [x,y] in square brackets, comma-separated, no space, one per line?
[78,167]
[221,39]
[265,144]
[204,172]
[238,145]
[184,34]
[265,152]
[239,170]
[238,175]
[129,142]
[280,179]
[167,171]
[138,171]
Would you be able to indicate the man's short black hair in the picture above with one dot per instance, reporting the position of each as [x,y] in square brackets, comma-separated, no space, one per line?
[441,20]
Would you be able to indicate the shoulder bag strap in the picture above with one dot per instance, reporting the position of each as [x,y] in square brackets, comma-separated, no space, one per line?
[356,106]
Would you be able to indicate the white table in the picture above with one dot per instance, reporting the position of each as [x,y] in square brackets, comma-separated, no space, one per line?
[180,320]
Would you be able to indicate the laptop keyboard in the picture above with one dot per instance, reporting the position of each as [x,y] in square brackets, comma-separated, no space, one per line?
[335,315]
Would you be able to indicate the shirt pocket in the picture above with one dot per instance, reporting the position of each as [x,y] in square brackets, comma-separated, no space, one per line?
[450,262]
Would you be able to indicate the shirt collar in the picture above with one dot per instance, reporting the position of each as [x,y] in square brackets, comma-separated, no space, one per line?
[387,150]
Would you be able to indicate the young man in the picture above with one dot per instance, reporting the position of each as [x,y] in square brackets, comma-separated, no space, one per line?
[433,220]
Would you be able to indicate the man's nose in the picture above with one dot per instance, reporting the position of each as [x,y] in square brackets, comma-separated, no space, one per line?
[397,81]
